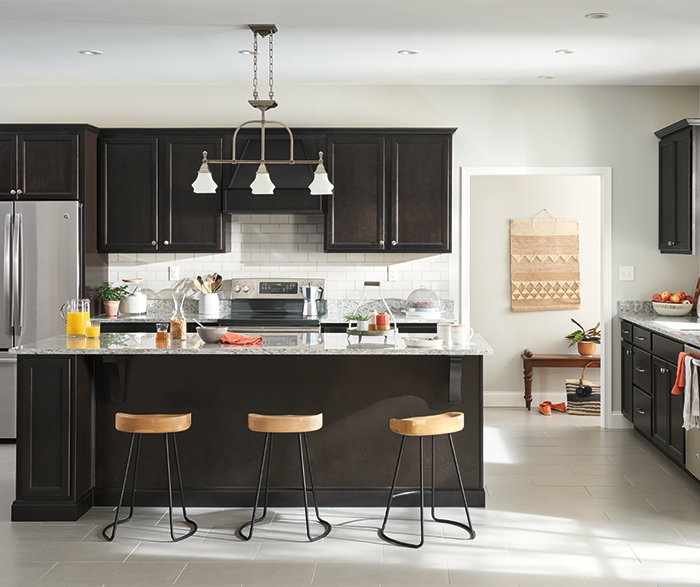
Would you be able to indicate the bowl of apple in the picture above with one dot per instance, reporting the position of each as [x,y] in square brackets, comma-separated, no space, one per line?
[668,304]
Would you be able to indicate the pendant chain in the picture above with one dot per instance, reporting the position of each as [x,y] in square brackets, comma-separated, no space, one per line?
[272,93]
[255,65]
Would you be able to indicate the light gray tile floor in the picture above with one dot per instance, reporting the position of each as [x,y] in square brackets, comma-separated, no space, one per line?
[568,504]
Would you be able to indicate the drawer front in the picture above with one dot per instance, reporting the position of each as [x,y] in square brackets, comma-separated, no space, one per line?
[641,414]
[692,452]
[641,338]
[626,331]
[641,371]
[666,348]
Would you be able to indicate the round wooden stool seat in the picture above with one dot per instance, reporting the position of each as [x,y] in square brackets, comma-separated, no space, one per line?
[152,423]
[446,423]
[288,423]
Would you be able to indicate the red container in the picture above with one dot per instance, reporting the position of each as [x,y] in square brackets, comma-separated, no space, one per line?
[383,320]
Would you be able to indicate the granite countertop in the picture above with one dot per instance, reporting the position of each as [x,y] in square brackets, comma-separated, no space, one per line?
[162,310]
[685,329]
[297,344]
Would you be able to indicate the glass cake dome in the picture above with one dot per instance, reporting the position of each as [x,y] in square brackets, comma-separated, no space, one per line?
[422,301]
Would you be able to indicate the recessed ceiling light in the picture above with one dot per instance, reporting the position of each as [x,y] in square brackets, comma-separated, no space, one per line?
[565,51]
[247,52]
[545,77]
[91,52]
[597,15]
[408,52]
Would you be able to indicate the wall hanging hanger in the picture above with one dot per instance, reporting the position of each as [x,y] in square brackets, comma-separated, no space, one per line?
[205,184]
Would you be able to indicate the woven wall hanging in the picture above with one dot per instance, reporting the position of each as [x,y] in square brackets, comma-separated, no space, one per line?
[544,264]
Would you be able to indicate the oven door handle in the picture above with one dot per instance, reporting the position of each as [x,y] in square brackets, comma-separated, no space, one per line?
[274,329]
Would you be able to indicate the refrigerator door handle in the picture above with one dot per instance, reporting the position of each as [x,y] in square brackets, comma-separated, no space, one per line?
[18,281]
[6,266]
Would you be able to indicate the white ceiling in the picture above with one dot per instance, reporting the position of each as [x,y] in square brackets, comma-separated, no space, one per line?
[196,42]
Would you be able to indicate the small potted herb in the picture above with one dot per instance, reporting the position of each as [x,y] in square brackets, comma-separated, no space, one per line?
[111,296]
[584,339]
[361,319]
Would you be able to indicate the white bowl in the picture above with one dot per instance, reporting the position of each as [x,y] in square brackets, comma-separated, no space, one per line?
[211,334]
[671,309]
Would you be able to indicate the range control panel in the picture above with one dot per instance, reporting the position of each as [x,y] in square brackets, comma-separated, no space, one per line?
[267,288]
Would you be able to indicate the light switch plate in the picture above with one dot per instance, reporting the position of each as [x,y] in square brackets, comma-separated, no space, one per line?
[173,273]
[626,273]
[392,273]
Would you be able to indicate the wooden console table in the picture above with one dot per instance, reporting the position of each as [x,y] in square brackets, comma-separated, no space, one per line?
[531,360]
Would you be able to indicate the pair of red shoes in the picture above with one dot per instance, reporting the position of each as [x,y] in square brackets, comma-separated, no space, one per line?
[547,407]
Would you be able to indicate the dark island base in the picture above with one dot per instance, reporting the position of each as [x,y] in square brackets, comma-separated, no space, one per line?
[70,457]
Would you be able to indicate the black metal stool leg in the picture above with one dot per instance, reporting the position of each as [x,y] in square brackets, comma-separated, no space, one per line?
[325,524]
[382,532]
[267,452]
[117,521]
[468,528]
[182,492]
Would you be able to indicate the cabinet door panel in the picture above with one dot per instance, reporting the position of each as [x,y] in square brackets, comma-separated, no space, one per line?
[8,166]
[676,432]
[355,217]
[420,197]
[190,222]
[128,194]
[675,192]
[660,401]
[48,167]
[627,378]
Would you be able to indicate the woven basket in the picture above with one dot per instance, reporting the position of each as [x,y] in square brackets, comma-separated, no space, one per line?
[582,397]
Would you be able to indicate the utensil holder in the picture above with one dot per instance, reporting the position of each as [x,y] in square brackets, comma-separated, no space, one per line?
[209,305]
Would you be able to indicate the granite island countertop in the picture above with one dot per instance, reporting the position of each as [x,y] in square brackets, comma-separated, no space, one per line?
[685,329]
[296,344]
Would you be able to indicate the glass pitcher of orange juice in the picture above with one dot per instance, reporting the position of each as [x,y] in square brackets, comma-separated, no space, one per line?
[75,312]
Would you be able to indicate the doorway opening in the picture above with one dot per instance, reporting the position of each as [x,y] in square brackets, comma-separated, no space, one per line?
[482,301]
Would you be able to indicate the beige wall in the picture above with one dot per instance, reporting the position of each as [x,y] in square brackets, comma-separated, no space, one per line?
[494,201]
[508,126]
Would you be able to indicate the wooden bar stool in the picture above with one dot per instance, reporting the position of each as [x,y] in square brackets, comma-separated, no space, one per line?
[427,426]
[271,425]
[152,424]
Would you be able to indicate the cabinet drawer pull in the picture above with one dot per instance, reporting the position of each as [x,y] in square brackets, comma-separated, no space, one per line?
[640,370]
[625,332]
[628,352]
[640,338]
[641,411]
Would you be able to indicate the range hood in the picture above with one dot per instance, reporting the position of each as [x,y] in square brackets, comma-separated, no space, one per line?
[292,182]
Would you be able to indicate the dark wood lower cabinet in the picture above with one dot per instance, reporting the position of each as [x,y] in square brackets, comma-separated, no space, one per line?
[627,376]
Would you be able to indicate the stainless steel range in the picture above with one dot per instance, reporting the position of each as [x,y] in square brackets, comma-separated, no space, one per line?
[272,305]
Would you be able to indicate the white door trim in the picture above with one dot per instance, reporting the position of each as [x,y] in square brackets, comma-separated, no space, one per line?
[605,174]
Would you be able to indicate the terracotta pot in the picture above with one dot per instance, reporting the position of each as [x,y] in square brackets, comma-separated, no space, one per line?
[111,308]
[586,349]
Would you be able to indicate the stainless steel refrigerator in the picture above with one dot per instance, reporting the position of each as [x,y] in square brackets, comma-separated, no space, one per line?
[40,253]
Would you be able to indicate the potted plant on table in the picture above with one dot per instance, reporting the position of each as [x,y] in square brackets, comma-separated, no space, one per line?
[361,319]
[111,295]
[586,340]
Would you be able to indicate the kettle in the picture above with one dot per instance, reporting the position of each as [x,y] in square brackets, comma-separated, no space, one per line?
[309,293]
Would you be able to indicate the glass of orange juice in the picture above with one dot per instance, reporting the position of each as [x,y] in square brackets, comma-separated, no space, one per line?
[74,313]
[92,329]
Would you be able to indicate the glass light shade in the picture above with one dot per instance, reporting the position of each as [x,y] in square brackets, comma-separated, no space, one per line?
[204,184]
[262,185]
[321,186]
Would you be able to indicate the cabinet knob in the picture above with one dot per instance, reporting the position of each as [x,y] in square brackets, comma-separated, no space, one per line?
[19,192]
[671,243]
[13,192]
[166,242]
[640,370]
[393,242]
[381,243]
[154,243]
[641,411]
[628,352]
[662,370]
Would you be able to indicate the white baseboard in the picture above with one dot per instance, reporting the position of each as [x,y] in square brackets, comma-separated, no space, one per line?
[516,399]
[617,420]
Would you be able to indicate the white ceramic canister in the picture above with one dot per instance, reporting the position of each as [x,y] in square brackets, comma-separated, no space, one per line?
[209,305]
[136,301]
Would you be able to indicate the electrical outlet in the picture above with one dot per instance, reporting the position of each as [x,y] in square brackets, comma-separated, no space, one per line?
[173,273]
[626,273]
[392,273]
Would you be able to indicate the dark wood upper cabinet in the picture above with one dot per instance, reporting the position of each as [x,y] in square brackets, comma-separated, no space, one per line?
[392,191]
[292,182]
[146,199]
[678,189]
[40,163]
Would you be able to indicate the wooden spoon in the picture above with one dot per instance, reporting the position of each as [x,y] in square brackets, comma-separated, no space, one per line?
[201,283]
[207,284]
[197,284]
[217,283]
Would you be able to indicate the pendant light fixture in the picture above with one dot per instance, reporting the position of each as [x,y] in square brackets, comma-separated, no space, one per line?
[262,185]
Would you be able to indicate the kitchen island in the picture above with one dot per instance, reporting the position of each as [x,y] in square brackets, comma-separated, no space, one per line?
[69,456]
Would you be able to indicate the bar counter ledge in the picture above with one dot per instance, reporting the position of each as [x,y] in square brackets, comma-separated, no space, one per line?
[70,457]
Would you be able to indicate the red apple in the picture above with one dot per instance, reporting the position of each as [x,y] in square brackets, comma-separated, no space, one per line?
[675,299]
[665,296]
[681,295]
[656,298]
[689,299]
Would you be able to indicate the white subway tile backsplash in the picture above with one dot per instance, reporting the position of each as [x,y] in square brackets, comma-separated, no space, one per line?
[281,245]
